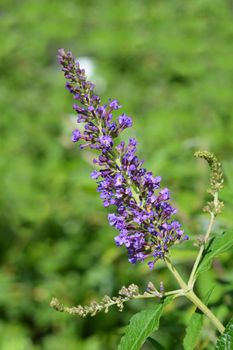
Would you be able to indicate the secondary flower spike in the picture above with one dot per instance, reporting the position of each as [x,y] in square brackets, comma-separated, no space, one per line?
[143,214]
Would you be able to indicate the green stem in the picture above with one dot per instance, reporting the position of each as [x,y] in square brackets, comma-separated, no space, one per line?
[192,277]
[174,292]
[201,306]
[176,274]
[188,292]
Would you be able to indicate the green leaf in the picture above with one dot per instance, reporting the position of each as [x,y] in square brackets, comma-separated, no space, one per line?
[194,327]
[217,246]
[225,341]
[141,326]
[156,344]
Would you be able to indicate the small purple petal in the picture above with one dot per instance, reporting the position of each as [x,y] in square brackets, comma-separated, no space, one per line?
[106,141]
[76,135]
[114,104]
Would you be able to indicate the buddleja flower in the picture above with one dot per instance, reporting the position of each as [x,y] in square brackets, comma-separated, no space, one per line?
[143,213]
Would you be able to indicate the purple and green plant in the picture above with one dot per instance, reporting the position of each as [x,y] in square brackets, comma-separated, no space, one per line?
[141,212]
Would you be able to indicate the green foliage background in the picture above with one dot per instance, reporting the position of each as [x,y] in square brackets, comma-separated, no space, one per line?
[170,65]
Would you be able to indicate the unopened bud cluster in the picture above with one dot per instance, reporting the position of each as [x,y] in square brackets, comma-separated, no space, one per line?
[124,294]
[216,181]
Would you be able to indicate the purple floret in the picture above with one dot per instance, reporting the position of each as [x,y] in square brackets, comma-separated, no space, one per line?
[125,121]
[114,104]
[75,135]
[106,142]
[143,213]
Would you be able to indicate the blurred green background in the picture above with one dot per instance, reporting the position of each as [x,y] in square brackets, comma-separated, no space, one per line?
[170,64]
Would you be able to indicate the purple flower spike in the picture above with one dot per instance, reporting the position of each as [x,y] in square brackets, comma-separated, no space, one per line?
[143,213]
